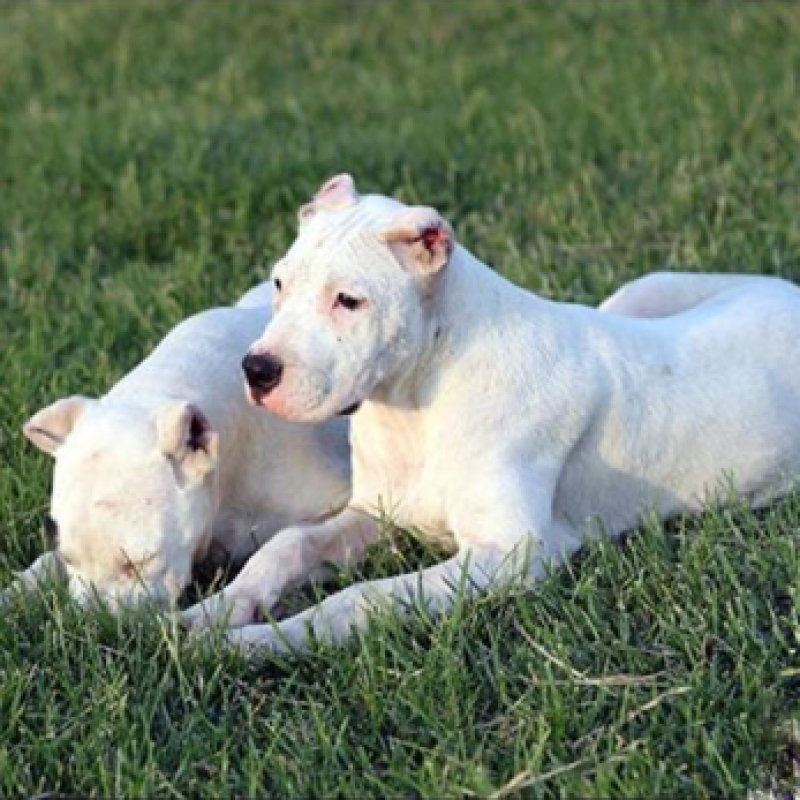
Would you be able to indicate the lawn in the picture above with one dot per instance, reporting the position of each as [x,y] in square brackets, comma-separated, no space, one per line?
[152,158]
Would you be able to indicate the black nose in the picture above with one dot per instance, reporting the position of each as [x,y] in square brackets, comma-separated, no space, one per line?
[263,372]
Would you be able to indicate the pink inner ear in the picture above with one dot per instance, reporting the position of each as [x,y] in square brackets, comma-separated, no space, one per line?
[338,192]
[199,427]
[436,237]
[430,237]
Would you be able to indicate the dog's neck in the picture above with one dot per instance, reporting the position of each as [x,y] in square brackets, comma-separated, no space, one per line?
[455,320]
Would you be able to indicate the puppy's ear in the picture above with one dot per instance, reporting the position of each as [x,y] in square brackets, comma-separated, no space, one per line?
[187,438]
[335,194]
[49,428]
[421,240]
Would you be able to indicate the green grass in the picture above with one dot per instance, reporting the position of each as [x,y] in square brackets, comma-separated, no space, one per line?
[152,158]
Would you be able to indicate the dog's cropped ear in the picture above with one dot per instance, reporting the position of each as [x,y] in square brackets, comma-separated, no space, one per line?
[335,194]
[421,240]
[49,428]
[187,438]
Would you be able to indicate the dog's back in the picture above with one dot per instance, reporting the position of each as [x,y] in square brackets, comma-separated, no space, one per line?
[199,360]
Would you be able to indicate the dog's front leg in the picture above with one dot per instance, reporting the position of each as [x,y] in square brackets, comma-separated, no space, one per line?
[510,510]
[506,531]
[294,557]
[47,567]
[432,590]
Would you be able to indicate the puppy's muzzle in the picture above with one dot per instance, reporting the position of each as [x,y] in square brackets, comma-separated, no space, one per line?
[263,372]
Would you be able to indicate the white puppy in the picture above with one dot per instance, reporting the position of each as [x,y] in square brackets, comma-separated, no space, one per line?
[174,459]
[512,423]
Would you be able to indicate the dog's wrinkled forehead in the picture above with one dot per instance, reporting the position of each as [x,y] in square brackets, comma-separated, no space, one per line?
[331,229]
[337,216]
[110,437]
[111,488]
[106,455]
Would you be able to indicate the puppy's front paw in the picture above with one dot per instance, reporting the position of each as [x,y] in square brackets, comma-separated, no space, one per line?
[6,597]
[257,641]
[226,608]
[254,642]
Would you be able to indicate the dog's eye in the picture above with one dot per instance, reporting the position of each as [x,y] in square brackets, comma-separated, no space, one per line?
[348,301]
[50,531]
[278,284]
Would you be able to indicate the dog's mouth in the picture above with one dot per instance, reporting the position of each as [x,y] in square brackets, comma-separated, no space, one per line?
[257,397]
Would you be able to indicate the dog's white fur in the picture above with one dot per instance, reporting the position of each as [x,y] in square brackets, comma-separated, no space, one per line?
[512,423]
[174,459]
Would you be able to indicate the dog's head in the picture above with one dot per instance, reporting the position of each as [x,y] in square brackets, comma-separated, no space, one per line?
[352,302]
[133,495]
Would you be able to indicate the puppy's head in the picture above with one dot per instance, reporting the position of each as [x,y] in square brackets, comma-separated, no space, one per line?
[351,304]
[133,495]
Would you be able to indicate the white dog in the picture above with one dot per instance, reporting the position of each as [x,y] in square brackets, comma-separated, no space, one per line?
[174,459]
[512,423]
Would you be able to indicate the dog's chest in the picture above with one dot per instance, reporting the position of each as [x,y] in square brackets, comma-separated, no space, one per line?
[395,474]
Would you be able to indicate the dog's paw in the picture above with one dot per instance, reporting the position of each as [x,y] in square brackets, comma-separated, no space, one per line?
[224,608]
[6,597]
[257,641]
[253,642]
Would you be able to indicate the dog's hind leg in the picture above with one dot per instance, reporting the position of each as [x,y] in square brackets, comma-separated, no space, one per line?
[663,294]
